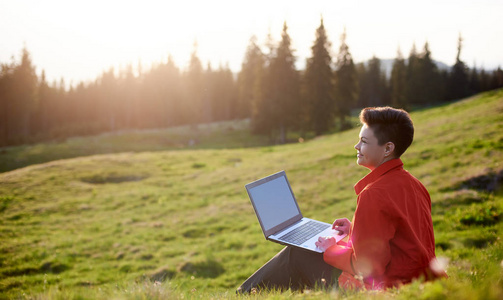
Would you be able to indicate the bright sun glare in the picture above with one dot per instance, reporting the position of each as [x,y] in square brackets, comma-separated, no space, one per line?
[80,39]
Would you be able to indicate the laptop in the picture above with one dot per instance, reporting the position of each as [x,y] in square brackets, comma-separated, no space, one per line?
[279,215]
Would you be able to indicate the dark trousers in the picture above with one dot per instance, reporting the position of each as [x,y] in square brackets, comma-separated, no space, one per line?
[292,268]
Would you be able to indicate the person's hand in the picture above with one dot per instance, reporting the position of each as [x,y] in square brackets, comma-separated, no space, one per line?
[342,225]
[325,242]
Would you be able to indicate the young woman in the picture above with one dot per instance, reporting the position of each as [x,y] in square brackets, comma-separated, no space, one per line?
[391,238]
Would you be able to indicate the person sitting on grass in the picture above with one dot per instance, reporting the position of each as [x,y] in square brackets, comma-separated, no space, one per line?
[390,239]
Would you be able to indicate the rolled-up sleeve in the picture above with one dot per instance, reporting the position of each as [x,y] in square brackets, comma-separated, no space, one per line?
[340,257]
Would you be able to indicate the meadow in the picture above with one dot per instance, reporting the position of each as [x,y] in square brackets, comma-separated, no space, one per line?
[164,214]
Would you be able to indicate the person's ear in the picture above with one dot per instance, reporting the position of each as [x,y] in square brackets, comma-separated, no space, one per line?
[389,149]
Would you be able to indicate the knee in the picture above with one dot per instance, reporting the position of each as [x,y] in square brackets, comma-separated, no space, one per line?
[300,255]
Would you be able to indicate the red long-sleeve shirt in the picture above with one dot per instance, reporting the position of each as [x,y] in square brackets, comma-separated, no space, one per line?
[391,237]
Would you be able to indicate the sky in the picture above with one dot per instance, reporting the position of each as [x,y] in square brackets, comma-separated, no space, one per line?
[79,40]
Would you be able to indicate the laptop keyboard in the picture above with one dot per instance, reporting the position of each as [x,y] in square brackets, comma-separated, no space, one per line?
[302,233]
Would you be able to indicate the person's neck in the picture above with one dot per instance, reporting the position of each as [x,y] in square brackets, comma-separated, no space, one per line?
[386,159]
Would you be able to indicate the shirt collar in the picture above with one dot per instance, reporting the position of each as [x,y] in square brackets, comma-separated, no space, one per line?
[376,173]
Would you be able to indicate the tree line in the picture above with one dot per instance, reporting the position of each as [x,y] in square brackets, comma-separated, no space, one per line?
[269,89]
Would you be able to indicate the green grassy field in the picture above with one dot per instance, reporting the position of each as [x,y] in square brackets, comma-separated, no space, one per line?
[150,223]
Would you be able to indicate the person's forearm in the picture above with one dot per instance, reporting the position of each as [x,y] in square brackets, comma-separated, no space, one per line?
[340,258]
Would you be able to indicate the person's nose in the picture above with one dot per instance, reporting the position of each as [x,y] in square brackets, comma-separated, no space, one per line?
[357,146]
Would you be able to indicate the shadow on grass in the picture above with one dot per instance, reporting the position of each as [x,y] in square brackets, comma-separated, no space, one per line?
[102,179]
[47,267]
[209,268]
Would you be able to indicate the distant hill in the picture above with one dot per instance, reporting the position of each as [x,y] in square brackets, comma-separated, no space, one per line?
[387,65]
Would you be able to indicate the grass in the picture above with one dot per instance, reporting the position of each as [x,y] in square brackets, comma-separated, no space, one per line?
[230,134]
[156,222]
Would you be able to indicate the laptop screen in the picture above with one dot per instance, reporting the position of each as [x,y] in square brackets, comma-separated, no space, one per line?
[274,202]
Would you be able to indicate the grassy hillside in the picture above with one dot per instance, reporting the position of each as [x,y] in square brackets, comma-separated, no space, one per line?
[173,224]
[215,135]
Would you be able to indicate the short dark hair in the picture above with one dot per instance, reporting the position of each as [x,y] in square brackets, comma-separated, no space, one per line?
[389,125]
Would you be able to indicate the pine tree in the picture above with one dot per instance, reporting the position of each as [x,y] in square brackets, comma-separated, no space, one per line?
[373,84]
[221,89]
[458,79]
[6,102]
[152,106]
[173,93]
[398,82]
[319,84]
[429,90]
[249,80]
[497,79]
[108,87]
[194,87]
[24,82]
[361,70]
[474,81]
[346,83]
[129,93]
[208,103]
[44,99]
[413,88]
[262,120]
[484,80]
[281,109]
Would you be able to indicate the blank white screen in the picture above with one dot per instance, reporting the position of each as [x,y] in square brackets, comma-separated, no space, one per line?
[274,202]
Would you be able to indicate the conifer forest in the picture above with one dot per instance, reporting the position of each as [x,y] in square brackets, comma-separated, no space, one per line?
[269,90]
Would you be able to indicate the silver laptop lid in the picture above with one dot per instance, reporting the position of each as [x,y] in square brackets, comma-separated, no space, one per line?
[274,203]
